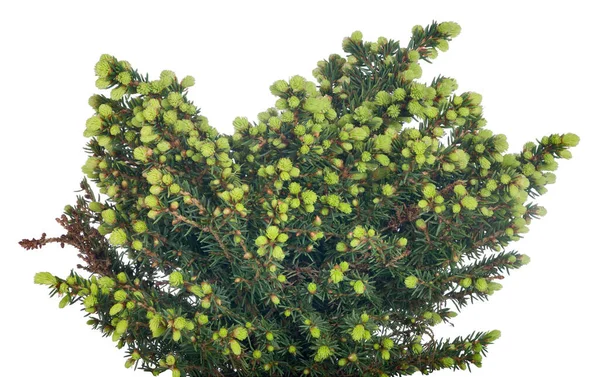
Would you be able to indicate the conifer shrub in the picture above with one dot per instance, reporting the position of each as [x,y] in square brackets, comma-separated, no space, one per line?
[327,238]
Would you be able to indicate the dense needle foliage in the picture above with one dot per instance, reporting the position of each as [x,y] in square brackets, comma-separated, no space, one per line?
[326,239]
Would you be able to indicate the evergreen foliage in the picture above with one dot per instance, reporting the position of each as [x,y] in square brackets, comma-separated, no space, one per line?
[326,239]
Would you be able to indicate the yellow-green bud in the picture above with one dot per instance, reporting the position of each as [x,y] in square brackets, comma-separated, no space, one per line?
[429,191]
[261,241]
[188,81]
[323,352]
[293,102]
[102,68]
[174,188]
[109,216]
[282,237]
[223,332]
[356,36]
[240,333]
[570,139]
[295,188]
[117,93]
[272,232]
[96,206]
[154,176]
[155,190]
[493,286]
[170,360]
[359,133]
[195,289]
[336,275]
[124,78]
[315,332]
[466,282]
[297,83]
[118,237]
[151,201]
[278,253]
[452,29]
[137,245]
[121,326]
[565,154]
[45,278]
[359,287]
[447,362]
[385,354]
[176,279]
[411,282]
[481,284]
[67,299]
[442,45]
[139,226]
[358,332]
[206,288]
[120,295]
[235,347]
[309,197]
[279,87]
[116,308]
[417,348]
[469,202]
[202,319]
[331,178]
[492,335]
[275,300]
[387,343]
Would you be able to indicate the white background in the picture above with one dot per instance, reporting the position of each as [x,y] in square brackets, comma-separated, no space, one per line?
[534,62]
